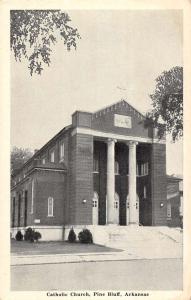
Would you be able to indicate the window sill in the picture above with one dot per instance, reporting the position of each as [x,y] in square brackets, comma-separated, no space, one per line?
[50,216]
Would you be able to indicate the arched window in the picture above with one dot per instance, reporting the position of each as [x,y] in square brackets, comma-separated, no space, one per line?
[95,200]
[50,206]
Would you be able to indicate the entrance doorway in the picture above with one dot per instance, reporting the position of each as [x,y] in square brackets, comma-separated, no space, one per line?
[128,211]
[95,206]
[116,209]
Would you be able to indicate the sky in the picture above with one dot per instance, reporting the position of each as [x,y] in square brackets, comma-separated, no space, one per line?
[119,56]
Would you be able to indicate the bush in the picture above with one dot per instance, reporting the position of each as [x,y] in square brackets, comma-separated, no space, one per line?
[19,236]
[32,235]
[85,236]
[28,236]
[71,236]
[36,235]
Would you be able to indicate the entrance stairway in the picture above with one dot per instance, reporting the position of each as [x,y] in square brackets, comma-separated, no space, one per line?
[142,241]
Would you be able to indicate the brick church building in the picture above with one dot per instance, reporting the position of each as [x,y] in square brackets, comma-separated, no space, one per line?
[107,167]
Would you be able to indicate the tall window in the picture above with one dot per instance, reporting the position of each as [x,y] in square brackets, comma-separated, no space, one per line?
[96,165]
[52,156]
[62,151]
[32,197]
[13,213]
[50,206]
[43,160]
[19,210]
[144,169]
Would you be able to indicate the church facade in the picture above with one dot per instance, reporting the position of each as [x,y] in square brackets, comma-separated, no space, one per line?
[107,167]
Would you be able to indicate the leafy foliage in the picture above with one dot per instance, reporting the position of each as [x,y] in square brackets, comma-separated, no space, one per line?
[19,156]
[28,236]
[33,32]
[19,236]
[167,103]
[31,235]
[37,235]
[71,236]
[85,236]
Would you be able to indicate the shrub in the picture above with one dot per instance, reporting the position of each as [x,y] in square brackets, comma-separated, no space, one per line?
[85,236]
[36,235]
[71,236]
[28,236]
[19,236]
[32,235]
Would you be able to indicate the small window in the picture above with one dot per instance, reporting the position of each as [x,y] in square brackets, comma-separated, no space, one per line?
[96,165]
[169,210]
[62,151]
[43,161]
[52,156]
[50,206]
[116,168]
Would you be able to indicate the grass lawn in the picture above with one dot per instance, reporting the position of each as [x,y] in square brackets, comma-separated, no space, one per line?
[27,248]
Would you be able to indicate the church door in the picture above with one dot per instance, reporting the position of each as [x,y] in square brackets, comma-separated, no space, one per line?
[128,211]
[95,205]
[116,209]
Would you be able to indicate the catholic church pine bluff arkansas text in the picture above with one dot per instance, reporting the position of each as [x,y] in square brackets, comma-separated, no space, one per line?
[107,167]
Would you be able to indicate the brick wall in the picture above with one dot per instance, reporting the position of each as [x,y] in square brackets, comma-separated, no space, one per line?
[81,179]
[50,184]
[105,122]
[158,184]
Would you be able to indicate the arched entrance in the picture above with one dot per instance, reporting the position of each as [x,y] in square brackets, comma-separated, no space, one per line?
[116,209]
[95,206]
[128,211]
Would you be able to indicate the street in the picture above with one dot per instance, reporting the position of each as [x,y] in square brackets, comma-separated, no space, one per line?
[155,274]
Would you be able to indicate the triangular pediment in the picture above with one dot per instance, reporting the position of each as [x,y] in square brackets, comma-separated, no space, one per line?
[121,118]
[120,104]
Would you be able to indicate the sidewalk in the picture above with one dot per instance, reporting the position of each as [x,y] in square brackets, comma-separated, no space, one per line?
[161,245]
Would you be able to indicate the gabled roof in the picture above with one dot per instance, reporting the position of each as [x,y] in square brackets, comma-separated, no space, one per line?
[37,153]
[120,103]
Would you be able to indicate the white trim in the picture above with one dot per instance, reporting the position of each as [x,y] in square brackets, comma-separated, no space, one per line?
[97,133]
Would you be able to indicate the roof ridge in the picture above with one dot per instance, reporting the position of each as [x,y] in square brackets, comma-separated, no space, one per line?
[116,103]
